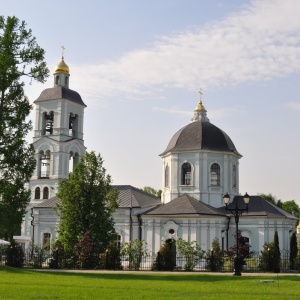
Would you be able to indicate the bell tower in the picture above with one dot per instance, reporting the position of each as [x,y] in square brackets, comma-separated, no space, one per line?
[58,140]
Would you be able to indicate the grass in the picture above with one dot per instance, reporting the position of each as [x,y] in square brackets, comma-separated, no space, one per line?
[25,284]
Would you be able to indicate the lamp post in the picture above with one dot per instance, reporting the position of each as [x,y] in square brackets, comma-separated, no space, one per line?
[236,211]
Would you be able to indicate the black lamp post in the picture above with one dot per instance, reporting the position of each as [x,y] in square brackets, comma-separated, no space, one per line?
[236,212]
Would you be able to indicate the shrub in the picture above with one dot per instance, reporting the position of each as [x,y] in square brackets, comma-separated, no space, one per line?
[86,251]
[15,256]
[191,252]
[135,250]
[166,258]
[111,258]
[214,257]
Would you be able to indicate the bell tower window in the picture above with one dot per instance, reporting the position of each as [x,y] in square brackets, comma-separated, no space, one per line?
[46,193]
[48,120]
[186,175]
[45,164]
[37,193]
[73,125]
[215,175]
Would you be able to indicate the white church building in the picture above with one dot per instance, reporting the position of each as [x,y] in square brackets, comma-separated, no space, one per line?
[199,166]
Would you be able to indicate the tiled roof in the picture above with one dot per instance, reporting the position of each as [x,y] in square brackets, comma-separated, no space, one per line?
[130,196]
[185,205]
[259,207]
[59,92]
[200,136]
[48,203]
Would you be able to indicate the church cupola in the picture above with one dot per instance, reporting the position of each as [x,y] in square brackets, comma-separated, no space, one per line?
[62,74]
[200,111]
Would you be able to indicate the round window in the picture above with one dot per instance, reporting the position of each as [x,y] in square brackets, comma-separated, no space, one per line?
[171,231]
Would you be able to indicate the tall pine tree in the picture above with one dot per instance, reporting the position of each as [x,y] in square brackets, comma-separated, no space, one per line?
[87,203]
[20,57]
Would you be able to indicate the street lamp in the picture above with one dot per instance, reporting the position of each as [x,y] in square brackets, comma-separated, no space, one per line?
[236,212]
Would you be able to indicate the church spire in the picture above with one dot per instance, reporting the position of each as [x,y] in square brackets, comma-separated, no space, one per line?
[62,72]
[200,111]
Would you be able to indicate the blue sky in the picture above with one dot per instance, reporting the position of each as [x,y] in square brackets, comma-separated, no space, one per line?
[139,65]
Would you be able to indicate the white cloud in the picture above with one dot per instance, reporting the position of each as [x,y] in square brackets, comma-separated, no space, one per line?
[294,105]
[260,42]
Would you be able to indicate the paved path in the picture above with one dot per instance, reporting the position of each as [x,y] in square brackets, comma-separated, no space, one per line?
[162,273]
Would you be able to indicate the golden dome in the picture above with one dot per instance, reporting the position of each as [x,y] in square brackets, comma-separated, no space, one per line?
[200,107]
[62,67]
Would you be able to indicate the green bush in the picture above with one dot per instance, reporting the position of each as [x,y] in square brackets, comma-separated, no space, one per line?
[111,258]
[166,258]
[15,256]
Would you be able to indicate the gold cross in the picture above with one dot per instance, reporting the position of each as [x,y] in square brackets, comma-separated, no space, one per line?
[201,94]
[62,51]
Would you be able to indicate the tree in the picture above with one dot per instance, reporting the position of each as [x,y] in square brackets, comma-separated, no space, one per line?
[291,207]
[150,190]
[20,57]
[276,257]
[87,203]
[272,199]
[166,257]
[293,250]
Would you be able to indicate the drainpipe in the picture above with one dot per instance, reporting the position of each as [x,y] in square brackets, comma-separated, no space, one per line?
[228,221]
[140,227]
[130,225]
[32,224]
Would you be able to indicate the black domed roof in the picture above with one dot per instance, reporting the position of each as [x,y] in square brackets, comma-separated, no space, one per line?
[59,92]
[201,136]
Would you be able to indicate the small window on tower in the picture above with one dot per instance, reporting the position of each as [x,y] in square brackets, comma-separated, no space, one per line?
[49,123]
[37,193]
[45,193]
[215,177]
[57,79]
[186,175]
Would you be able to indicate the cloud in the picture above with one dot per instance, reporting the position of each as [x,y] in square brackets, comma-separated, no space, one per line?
[294,105]
[257,43]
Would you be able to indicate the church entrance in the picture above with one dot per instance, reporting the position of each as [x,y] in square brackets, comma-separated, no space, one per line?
[172,244]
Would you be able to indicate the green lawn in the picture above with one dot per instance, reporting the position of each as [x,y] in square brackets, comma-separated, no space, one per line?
[23,284]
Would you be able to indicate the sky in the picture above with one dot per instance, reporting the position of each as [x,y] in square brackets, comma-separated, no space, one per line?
[139,65]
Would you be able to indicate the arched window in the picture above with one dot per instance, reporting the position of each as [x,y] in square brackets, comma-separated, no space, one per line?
[186,175]
[45,164]
[57,79]
[215,177]
[234,176]
[45,193]
[66,81]
[167,176]
[37,193]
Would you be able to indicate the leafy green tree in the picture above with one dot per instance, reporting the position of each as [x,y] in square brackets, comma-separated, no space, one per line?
[20,57]
[150,190]
[291,207]
[136,250]
[191,252]
[87,203]
[272,199]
